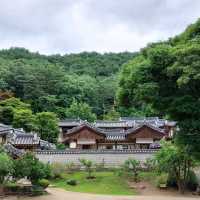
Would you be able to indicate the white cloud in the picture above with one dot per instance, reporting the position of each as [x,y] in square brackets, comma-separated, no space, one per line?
[64,26]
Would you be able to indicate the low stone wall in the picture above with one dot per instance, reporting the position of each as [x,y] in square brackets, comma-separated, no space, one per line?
[109,157]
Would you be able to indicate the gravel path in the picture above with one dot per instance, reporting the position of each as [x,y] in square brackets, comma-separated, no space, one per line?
[60,194]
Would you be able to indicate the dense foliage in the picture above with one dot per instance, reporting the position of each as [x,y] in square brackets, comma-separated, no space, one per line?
[6,166]
[51,83]
[177,162]
[19,114]
[80,110]
[133,166]
[27,166]
[164,79]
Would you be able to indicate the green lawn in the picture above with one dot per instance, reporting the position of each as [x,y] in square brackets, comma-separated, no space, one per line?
[105,183]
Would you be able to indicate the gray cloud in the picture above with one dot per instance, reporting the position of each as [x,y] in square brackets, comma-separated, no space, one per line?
[64,26]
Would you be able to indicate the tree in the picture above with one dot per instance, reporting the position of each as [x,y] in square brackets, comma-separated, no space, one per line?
[24,119]
[32,168]
[176,161]
[112,115]
[50,83]
[134,166]
[88,164]
[47,126]
[166,75]
[13,111]
[80,110]
[6,115]
[15,103]
[6,166]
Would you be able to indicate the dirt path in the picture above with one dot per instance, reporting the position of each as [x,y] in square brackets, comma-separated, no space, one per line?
[60,194]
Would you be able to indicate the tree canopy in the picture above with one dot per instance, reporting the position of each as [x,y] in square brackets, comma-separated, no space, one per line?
[50,83]
[165,77]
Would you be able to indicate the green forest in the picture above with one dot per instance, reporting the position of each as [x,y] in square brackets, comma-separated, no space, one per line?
[55,83]
[162,79]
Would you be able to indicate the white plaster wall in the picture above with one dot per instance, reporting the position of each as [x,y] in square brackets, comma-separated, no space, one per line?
[110,160]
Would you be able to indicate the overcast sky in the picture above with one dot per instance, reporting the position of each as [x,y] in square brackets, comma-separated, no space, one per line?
[65,26]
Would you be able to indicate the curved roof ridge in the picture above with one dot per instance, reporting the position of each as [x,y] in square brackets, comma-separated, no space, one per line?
[145,124]
[87,124]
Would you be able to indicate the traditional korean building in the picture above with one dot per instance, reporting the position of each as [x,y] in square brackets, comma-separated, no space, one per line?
[19,139]
[126,133]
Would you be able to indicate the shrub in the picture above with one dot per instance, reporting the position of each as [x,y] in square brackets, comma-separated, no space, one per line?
[6,167]
[72,182]
[60,146]
[58,169]
[171,182]
[149,164]
[13,187]
[192,181]
[133,166]
[29,166]
[162,179]
[37,190]
[44,183]
[88,164]
[118,171]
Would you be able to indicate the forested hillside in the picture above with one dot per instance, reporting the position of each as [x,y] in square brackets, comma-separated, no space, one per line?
[57,83]
[164,79]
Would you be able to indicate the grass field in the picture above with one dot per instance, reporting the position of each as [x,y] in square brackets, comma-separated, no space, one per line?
[104,183]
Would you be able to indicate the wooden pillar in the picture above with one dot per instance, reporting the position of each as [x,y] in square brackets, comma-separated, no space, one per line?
[97,146]
[115,145]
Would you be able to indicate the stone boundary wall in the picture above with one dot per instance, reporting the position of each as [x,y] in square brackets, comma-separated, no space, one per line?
[109,157]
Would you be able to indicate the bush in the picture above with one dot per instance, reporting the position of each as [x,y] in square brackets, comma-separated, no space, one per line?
[118,171]
[13,187]
[60,146]
[88,165]
[44,183]
[149,164]
[29,166]
[133,166]
[37,190]
[162,179]
[191,183]
[6,166]
[72,182]
[171,182]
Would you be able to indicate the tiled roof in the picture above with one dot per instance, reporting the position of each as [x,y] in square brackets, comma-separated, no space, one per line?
[17,137]
[4,129]
[9,148]
[123,122]
[154,121]
[47,145]
[70,122]
[73,130]
[145,124]
[104,124]
[115,134]
[25,139]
